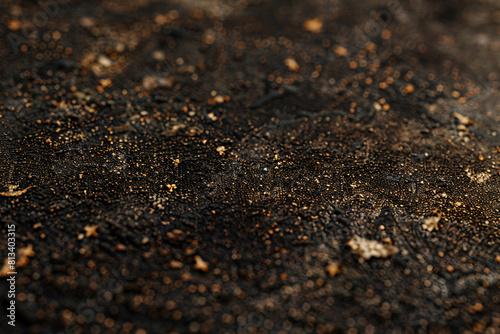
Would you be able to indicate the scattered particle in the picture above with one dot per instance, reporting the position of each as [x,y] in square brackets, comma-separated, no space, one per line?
[4,271]
[87,22]
[314,25]
[476,308]
[120,247]
[209,37]
[221,150]
[340,51]
[12,192]
[158,81]
[171,187]
[104,61]
[200,264]
[91,231]
[463,119]
[173,129]
[105,82]
[292,64]
[189,251]
[159,55]
[216,99]
[371,47]
[370,248]
[333,269]
[175,264]
[430,224]
[478,177]
[409,89]
[120,47]
[22,256]
[212,116]
[14,25]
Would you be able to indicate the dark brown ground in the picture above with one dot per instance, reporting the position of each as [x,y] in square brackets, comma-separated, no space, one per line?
[153,133]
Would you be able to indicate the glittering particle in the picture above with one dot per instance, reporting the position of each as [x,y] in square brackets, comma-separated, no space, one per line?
[22,260]
[91,231]
[370,248]
[333,269]
[314,25]
[174,264]
[200,264]
[171,187]
[463,119]
[221,150]
[12,192]
[292,64]
[431,224]
[23,255]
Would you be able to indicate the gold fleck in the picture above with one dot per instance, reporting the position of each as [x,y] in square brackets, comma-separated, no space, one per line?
[171,187]
[314,25]
[370,248]
[91,230]
[175,264]
[221,150]
[340,51]
[430,224]
[333,269]
[200,264]
[120,247]
[292,64]
[13,192]
[23,255]
[463,119]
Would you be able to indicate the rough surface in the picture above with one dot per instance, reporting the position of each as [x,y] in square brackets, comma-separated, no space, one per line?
[200,166]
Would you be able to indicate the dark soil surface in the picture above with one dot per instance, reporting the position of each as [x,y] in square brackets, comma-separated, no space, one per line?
[207,166]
